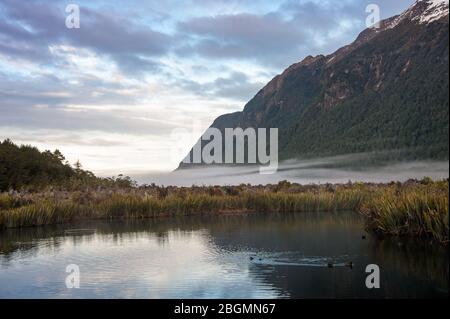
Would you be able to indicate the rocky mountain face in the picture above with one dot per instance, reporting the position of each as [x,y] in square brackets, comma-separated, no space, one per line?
[388,90]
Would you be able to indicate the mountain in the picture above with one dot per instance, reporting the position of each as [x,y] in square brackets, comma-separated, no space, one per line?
[386,91]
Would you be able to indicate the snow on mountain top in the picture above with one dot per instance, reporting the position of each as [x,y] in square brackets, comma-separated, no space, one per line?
[435,10]
[422,11]
[436,2]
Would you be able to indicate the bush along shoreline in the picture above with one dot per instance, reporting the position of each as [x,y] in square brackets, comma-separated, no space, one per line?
[417,208]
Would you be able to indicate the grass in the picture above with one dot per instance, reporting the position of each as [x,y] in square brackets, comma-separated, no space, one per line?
[415,208]
[410,210]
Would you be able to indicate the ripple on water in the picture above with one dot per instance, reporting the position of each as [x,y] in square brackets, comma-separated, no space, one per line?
[236,257]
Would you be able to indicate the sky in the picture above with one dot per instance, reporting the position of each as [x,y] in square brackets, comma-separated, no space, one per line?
[134,86]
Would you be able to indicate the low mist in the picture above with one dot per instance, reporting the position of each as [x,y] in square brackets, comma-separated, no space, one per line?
[338,169]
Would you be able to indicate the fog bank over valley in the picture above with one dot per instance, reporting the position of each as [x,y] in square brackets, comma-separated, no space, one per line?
[338,169]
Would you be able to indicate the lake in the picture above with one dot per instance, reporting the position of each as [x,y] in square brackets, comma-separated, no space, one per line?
[234,256]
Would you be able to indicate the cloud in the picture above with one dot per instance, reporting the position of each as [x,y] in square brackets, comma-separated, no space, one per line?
[61,118]
[141,68]
[282,36]
[278,37]
[29,28]
[242,36]
[237,86]
[116,35]
[50,102]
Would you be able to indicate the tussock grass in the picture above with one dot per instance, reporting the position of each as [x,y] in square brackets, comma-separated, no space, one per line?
[56,208]
[45,213]
[8,201]
[419,210]
[416,208]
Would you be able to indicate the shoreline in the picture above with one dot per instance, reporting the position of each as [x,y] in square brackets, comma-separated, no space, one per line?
[415,208]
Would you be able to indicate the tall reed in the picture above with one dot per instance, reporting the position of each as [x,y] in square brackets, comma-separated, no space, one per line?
[421,211]
[413,208]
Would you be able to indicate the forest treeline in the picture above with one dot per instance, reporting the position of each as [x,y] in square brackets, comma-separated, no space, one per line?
[24,167]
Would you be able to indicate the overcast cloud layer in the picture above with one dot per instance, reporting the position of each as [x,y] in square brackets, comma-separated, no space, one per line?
[113,92]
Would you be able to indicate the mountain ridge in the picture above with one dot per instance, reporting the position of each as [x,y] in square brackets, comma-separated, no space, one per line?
[383,65]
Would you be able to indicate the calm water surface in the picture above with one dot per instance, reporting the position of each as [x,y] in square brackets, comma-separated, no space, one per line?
[253,256]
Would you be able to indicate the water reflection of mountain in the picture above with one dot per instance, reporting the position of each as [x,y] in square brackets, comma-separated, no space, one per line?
[407,266]
[289,252]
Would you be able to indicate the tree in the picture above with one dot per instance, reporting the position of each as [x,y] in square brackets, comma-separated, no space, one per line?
[78,167]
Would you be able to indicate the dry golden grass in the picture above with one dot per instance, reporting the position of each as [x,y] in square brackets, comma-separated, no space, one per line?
[420,210]
[417,208]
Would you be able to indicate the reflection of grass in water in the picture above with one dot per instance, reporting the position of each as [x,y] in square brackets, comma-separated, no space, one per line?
[414,208]
[282,222]
[415,259]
